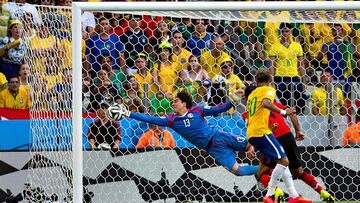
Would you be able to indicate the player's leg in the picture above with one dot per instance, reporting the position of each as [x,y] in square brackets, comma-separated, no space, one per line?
[238,143]
[273,151]
[225,157]
[292,151]
[265,169]
[266,147]
[223,153]
[242,170]
[309,179]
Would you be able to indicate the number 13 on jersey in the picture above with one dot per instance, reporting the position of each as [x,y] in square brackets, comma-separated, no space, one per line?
[186,122]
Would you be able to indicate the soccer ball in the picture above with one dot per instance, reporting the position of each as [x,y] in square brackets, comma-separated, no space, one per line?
[115,112]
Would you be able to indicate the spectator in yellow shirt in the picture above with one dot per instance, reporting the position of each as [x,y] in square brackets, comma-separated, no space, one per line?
[352,133]
[180,54]
[165,71]
[156,136]
[271,28]
[211,59]
[286,64]
[226,75]
[312,42]
[3,81]
[24,74]
[132,96]
[321,102]
[15,97]
[143,75]
[42,46]
[229,78]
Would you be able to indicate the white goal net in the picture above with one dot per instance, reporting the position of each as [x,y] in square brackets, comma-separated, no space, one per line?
[142,59]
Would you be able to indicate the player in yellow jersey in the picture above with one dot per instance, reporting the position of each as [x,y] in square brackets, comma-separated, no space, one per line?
[259,105]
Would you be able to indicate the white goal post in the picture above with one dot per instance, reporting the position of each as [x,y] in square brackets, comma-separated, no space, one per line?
[79,7]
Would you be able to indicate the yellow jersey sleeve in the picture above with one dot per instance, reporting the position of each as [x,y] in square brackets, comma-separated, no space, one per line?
[269,93]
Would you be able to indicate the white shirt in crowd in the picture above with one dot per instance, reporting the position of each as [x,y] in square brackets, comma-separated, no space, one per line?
[87,20]
[18,11]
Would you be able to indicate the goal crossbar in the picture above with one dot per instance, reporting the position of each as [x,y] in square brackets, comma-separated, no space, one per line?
[215,6]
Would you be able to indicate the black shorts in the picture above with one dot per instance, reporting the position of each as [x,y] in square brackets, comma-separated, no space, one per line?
[288,142]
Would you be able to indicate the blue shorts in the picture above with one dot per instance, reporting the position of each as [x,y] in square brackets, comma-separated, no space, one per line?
[268,146]
[223,146]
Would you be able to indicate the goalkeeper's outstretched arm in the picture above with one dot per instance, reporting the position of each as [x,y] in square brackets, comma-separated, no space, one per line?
[162,121]
[214,110]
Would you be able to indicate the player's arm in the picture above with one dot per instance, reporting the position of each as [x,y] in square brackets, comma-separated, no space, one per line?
[150,119]
[299,135]
[214,110]
[267,103]
[272,123]
[250,151]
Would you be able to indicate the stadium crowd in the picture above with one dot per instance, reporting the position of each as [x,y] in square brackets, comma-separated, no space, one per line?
[143,61]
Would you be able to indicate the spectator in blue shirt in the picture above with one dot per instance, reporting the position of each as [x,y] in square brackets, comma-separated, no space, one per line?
[134,41]
[104,43]
[200,39]
[340,56]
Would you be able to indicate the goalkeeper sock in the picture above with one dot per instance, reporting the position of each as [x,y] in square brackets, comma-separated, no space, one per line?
[310,180]
[246,170]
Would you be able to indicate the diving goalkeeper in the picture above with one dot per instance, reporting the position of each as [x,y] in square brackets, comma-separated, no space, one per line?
[190,123]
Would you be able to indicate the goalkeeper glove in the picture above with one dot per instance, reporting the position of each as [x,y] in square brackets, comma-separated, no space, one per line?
[126,112]
[236,96]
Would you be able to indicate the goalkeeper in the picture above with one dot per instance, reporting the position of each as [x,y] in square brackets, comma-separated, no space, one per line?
[285,137]
[190,123]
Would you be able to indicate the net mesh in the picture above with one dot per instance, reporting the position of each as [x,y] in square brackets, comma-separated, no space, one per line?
[143,59]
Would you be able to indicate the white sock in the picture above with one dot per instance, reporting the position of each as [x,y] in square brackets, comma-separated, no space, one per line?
[275,179]
[289,183]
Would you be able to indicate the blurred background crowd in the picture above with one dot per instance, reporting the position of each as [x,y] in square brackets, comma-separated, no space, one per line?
[142,61]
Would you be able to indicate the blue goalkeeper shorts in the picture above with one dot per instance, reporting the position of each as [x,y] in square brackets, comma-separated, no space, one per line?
[269,147]
[223,147]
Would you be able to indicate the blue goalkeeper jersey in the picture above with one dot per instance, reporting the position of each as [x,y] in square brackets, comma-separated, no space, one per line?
[192,125]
